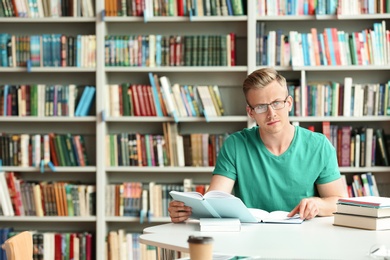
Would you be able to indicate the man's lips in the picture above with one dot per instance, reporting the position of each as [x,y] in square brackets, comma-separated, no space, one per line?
[273,122]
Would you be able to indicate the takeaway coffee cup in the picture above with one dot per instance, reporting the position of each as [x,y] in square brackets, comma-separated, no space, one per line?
[201,248]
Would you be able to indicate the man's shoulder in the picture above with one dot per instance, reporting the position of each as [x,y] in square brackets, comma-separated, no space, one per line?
[246,133]
[308,135]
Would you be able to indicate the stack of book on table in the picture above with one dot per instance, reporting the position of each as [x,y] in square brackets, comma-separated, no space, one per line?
[367,212]
[220,224]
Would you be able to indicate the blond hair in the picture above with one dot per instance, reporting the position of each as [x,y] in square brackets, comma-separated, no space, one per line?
[261,78]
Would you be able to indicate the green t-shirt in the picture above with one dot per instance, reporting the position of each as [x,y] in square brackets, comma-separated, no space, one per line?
[266,181]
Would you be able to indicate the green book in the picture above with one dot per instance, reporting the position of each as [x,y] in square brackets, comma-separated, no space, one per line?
[125,99]
[238,7]
[69,199]
[60,150]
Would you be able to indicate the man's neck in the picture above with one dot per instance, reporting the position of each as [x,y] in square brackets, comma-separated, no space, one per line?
[278,143]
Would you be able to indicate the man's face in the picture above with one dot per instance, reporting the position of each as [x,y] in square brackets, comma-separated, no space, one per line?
[274,103]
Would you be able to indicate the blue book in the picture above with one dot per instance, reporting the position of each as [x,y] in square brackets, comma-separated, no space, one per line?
[81,101]
[328,32]
[78,51]
[5,103]
[229,7]
[158,50]
[305,49]
[88,101]
[189,99]
[3,50]
[219,204]
[155,95]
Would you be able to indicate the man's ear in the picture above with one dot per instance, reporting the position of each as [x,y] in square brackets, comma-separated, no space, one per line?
[249,111]
[290,102]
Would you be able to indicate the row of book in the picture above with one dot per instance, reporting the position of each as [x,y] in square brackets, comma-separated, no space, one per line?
[126,246]
[295,7]
[47,50]
[358,146]
[346,7]
[170,50]
[335,47]
[46,8]
[321,7]
[135,149]
[150,8]
[26,198]
[331,98]
[144,200]
[46,100]
[161,98]
[41,150]
[54,245]
[366,212]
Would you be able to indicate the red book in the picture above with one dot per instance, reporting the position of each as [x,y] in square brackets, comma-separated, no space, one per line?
[326,129]
[146,101]
[57,246]
[336,46]
[53,151]
[71,245]
[141,100]
[180,7]
[88,245]
[151,101]
[233,49]
[135,100]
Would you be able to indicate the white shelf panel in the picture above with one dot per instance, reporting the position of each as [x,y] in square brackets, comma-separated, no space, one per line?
[62,69]
[48,219]
[342,68]
[339,119]
[365,169]
[145,119]
[168,19]
[363,17]
[137,220]
[53,119]
[151,169]
[48,20]
[47,169]
[178,69]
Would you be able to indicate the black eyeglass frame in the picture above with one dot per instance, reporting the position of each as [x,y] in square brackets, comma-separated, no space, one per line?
[270,104]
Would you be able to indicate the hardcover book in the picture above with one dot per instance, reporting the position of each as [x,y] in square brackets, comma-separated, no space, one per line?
[219,204]
[368,201]
[363,222]
[363,210]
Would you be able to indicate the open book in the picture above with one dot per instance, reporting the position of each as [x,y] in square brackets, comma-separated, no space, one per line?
[219,204]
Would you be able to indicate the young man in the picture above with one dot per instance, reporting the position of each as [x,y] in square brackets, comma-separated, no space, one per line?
[275,165]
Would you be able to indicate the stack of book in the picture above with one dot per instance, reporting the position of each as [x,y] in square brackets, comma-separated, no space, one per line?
[367,212]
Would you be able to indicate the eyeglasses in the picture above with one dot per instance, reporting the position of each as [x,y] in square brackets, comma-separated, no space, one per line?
[276,105]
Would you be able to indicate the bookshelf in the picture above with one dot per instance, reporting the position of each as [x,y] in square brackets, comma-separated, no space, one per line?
[229,79]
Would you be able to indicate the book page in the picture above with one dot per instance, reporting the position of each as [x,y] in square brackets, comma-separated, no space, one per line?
[190,194]
[218,194]
[277,216]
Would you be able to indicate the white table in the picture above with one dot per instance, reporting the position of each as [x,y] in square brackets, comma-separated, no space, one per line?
[314,239]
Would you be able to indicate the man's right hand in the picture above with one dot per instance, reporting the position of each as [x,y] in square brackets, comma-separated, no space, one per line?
[178,211]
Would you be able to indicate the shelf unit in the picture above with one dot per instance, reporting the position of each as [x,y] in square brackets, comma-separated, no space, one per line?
[228,78]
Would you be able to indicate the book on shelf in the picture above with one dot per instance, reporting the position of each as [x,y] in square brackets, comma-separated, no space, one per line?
[219,204]
[220,224]
[363,210]
[363,222]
